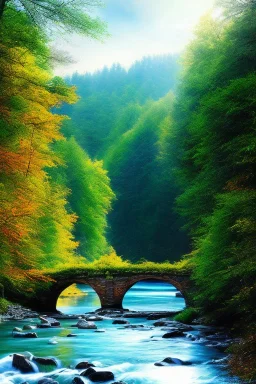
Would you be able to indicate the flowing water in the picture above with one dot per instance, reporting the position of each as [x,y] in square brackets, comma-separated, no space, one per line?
[129,353]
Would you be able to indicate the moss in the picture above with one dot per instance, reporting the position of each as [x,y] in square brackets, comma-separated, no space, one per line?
[3,305]
[187,316]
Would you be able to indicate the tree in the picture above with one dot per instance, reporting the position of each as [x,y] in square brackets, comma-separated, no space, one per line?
[69,15]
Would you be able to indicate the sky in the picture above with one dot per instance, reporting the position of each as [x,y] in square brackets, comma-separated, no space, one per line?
[137,28]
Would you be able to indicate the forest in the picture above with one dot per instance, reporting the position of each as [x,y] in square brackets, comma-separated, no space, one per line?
[120,166]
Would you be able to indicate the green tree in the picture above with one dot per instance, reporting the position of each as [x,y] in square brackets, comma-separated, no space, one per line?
[68,15]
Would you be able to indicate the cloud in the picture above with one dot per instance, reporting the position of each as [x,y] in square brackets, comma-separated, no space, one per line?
[138,28]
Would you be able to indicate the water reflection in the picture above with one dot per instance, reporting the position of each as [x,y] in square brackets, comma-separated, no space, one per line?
[143,296]
[78,298]
[153,296]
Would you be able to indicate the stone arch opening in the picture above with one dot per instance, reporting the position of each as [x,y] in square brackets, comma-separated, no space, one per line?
[154,294]
[78,298]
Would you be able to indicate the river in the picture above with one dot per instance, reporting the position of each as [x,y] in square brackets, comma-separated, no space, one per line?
[129,353]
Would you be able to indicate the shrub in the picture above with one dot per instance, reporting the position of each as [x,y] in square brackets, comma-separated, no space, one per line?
[187,316]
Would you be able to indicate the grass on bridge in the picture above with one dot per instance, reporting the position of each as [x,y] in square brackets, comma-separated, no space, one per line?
[111,266]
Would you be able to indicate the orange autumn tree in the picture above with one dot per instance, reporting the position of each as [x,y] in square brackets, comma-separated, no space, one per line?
[31,205]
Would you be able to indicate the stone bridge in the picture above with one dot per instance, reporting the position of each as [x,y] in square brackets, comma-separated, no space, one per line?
[111,289]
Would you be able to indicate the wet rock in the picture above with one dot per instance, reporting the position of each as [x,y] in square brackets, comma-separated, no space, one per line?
[71,335]
[170,361]
[77,380]
[17,312]
[110,312]
[61,316]
[27,335]
[192,337]
[94,318]
[119,382]
[83,324]
[84,365]
[134,326]
[101,376]
[16,329]
[21,363]
[120,321]
[172,334]
[47,380]
[100,330]
[88,372]
[45,325]
[49,320]
[174,325]
[28,327]
[179,294]
[45,361]
[160,315]
[135,315]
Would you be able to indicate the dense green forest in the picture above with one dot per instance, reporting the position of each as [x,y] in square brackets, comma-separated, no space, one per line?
[121,118]
[156,162]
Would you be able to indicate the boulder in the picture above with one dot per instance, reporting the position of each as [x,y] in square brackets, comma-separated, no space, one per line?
[16,329]
[22,364]
[47,380]
[161,323]
[71,335]
[94,318]
[45,325]
[100,330]
[28,327]
[49,320]
[119,382]
[121,321]
[77,380]
[170,361]
[178,294]
[27,335]
[134,326]
[83,324]
[45,361]
[172,334]
[84,365]
[101,376]
[88,372]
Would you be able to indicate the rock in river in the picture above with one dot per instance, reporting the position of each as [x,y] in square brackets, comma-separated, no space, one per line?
[77,380]
[88,372]
[27,335]
[21,363]
[170,361]
[172,334]
[83,324]
[45,361]
[28,327]
[121,321]
[49,320]
[84,365]
[47,380]
[101,376]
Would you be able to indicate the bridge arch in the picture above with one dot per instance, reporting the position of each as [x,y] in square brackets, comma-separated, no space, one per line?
[128,283]
[154,296]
